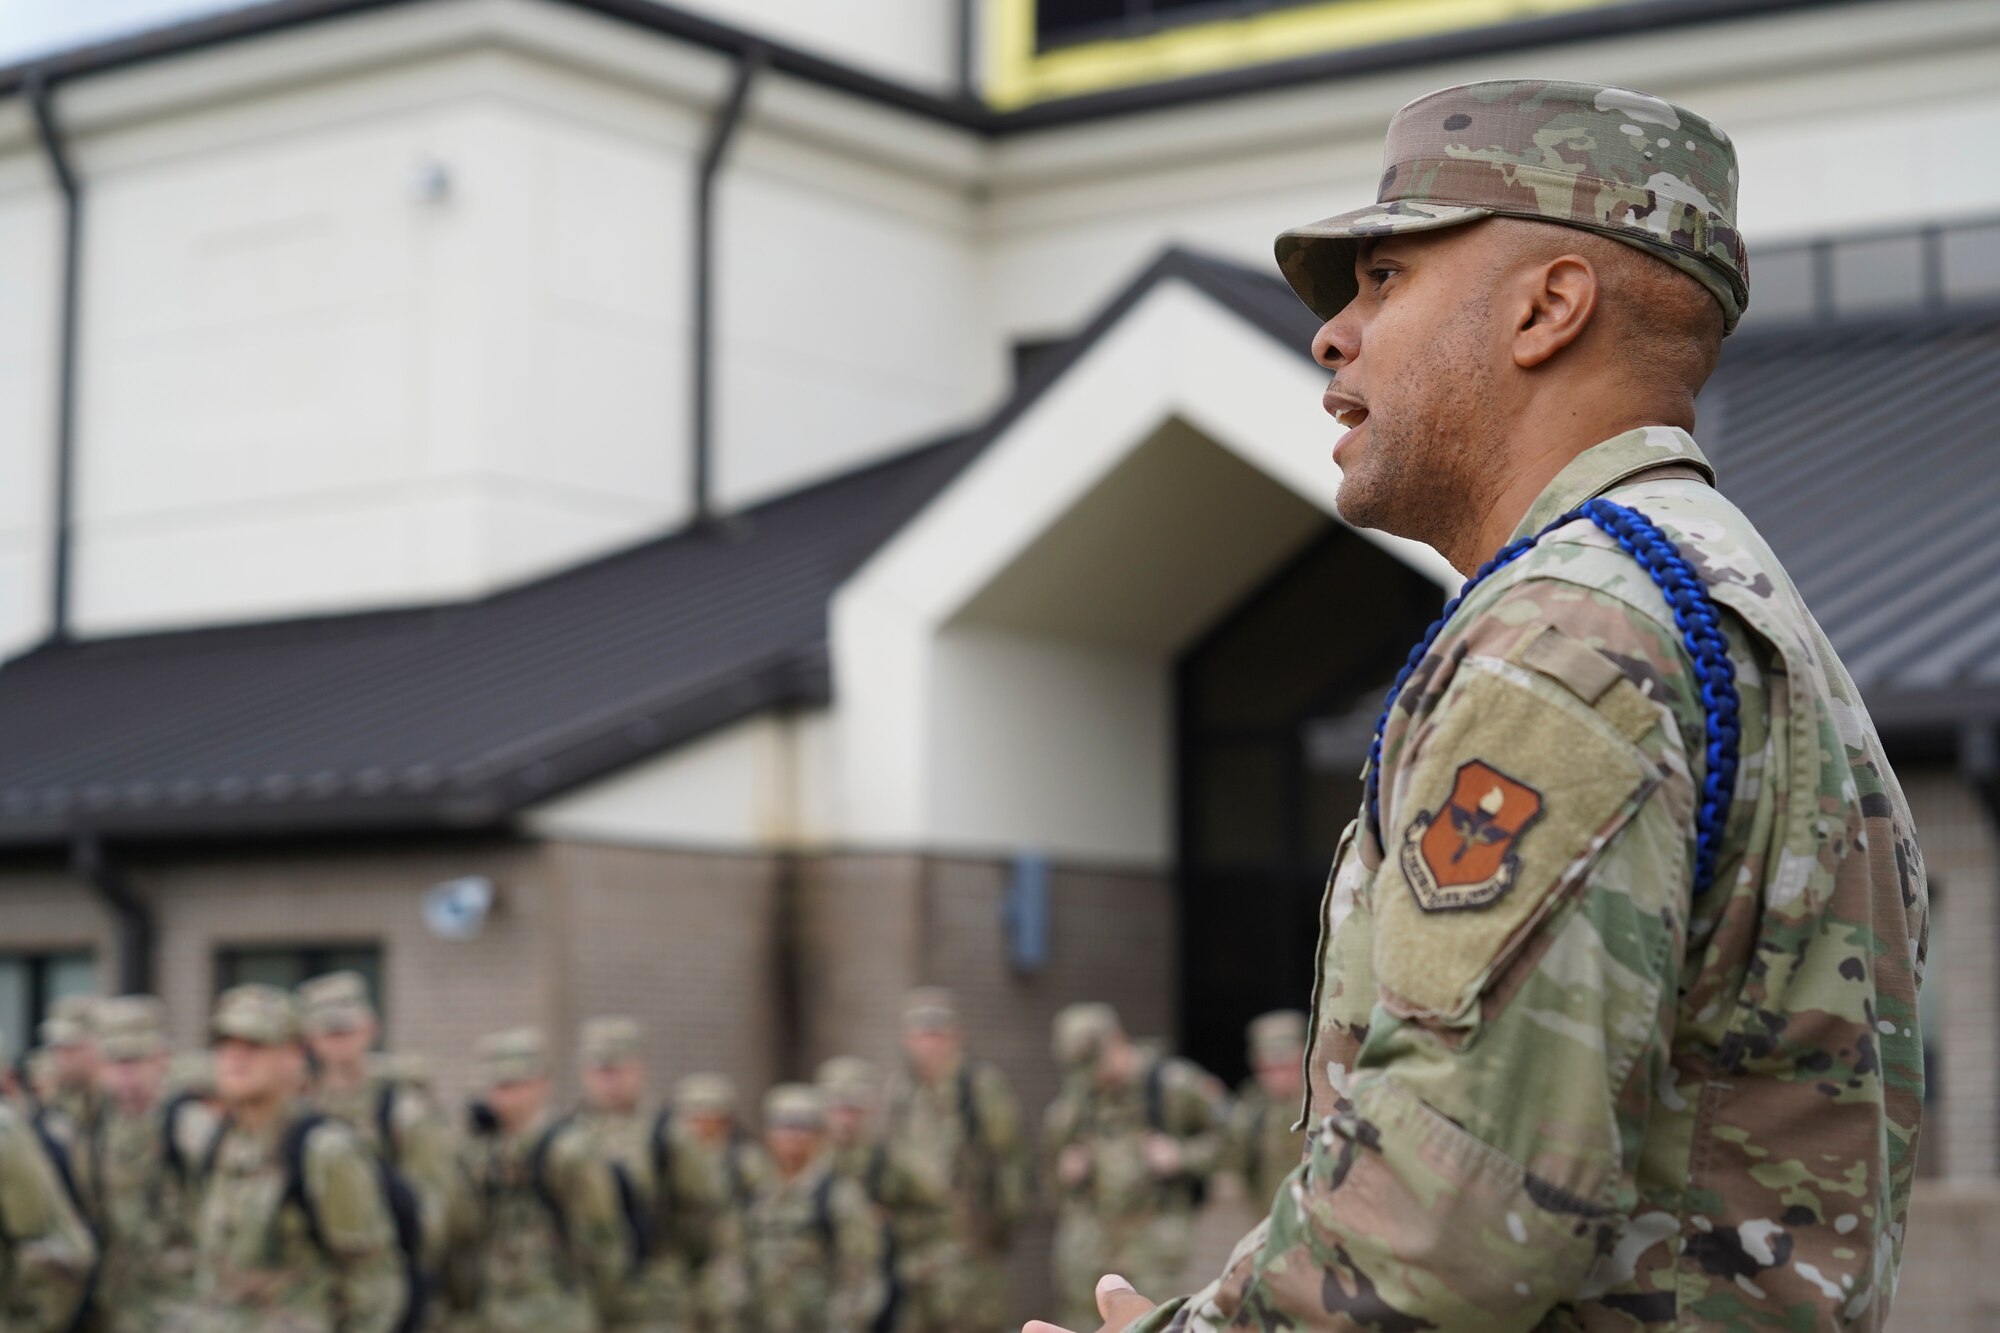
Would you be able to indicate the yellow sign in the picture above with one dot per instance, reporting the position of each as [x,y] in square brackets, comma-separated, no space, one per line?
[1017,73]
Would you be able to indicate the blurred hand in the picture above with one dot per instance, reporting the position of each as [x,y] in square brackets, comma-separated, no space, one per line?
[1073,1164]
[1117,1305]
[1163,1154]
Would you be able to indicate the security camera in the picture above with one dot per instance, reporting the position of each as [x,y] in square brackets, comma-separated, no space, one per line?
[457,909]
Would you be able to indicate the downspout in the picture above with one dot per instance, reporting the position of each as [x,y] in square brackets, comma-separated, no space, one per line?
[749,64]
[94,864]
[53,148]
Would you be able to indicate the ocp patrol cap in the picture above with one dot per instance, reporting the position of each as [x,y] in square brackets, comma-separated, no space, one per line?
[259,1014]
[132,1027]
[513,1056]
[1277,1035]
[1623,164]
[610,1039]
[705,1094]
[71,1021]
[794,1106]
[335,1002]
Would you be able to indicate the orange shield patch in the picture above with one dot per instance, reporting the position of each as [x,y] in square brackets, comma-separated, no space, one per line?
[1463,855]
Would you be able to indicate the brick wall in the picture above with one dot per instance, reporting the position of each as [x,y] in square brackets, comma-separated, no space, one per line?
[1956,835]
[45,910]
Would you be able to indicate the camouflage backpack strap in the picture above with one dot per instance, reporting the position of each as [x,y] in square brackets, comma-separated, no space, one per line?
[968,1104]
[1695,616]
[822,1201]
[170,1138]
[662,1146]
[385,1123]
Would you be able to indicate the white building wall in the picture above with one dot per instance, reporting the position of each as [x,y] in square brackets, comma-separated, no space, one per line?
[30,249]
[915,41]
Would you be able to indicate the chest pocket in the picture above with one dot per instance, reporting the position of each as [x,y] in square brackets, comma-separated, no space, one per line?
[1529,770]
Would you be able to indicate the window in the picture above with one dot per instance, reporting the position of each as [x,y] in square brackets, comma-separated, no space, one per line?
[288,965]
[31,983]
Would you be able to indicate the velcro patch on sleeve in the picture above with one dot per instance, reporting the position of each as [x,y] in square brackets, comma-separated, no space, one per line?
[1516,787]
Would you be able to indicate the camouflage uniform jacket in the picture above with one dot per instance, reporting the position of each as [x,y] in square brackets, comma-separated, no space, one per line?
[420,1145]
[46,1252]
[814,1253]
[961,1168]
[147,1170]
[649,1297]
[73,1119]
[1264,1142]
[258,1264]
[1548,1090]
[709,1189]
[1169,1097]
[548,1247]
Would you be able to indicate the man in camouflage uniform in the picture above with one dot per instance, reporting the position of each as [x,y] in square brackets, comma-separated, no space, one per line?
[1133,1162]
[1597,1041]
[812,1242]
[1073,1040]
[545,1247]
[616,1129]
[961,1174]
[46,1253]
[390,1111]
[70,1108]
[294,1233]
[709,1172]
[1263,1145]
[850,1089]
[146,1159]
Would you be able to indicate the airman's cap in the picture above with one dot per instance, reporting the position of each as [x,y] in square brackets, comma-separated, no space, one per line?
[132,1027]
[1623,164]
[1080,1030]
[929,1009]
[1278,1035]
[794,1106]
[705,1094]
[71,1021]
[256,1013]
[513,1056]
[611,1039]
[335,1002]
[848,1080]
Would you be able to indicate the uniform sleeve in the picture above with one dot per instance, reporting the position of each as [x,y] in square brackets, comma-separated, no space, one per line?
[465,1227]
[52,1250]
[1196,1120]
[1528,920]
[859,1286]
[426,1154]
[598,1237]
[347,1197]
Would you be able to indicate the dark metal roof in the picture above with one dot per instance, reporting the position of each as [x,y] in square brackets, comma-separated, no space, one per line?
[956,109]
[1862,453]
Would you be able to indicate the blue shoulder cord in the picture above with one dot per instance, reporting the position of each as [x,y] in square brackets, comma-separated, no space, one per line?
[1701,631]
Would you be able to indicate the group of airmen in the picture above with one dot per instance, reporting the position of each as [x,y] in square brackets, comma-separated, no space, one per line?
[295,1179]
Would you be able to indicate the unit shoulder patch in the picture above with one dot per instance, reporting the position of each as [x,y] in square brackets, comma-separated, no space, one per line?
[1463,856]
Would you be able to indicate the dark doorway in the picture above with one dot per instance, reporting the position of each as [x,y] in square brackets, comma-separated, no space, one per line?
[1276,705]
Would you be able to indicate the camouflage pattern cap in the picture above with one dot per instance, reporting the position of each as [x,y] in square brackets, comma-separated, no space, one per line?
[705,1094]
[794,1106]
[513,1056]
[1080,1029]
[1623,164]
[336,1002]
[610,1039]
[849,1081]
[1278,1035]
[71,1021]
[132,1027]
[929,1009]
[256,1013]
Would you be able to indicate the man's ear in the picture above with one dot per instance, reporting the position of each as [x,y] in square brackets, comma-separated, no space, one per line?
[1558,301]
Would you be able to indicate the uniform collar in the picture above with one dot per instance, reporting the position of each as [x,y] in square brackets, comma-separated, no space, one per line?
[1603,466]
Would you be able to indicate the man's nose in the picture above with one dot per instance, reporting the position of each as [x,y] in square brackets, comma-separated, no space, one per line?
[1338,341]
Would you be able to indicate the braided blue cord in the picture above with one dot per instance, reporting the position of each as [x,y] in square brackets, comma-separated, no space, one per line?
[1700,624]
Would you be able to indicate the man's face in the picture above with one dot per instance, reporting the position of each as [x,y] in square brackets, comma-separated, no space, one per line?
[344,1049]
[1117,1060]
[791,1146]
[846,1124]
[708,1126]
[76,1064]
[1282,1078]
[614,1087]
[518,1100]
[134,1084]
[247,1072]
[1414,356]
[932,1050]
